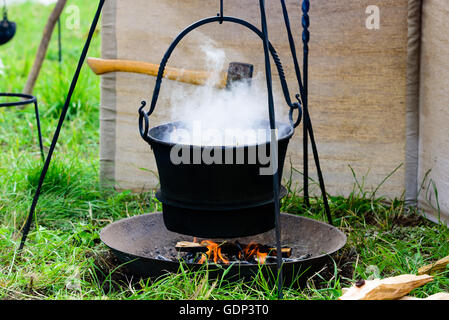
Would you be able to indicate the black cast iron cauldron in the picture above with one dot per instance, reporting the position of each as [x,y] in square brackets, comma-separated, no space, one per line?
[231,200]
[225,198]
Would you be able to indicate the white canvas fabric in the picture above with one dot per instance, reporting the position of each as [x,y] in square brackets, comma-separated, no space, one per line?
[433,173]
[412,120]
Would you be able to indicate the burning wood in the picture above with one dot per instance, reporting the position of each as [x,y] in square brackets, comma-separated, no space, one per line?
[222,253]
[214,251]
[186,246]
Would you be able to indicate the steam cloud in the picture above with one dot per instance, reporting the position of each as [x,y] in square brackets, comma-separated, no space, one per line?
[225,117]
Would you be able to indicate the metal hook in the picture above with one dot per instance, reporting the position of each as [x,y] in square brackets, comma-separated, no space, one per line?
[295,106]
[220,14]
[144,122]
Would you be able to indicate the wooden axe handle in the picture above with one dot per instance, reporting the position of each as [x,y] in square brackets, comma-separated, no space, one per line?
[102,66]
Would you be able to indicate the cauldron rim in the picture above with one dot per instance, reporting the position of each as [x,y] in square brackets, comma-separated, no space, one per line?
[290,132]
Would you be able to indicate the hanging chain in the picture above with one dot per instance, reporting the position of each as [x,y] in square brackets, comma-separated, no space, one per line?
[5,11]
[306,24]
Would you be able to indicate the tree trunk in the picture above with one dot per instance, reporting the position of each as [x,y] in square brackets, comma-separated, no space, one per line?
[42,51]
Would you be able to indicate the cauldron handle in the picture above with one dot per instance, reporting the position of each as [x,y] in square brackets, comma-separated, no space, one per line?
[293,107]
[143,116]
[144,122]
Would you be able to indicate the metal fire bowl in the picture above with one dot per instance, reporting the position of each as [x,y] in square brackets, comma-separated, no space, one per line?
[139,240]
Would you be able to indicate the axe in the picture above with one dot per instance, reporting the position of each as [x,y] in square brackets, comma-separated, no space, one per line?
[237,71]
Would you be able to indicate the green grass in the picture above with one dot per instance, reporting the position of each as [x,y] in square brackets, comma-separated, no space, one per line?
[64,257]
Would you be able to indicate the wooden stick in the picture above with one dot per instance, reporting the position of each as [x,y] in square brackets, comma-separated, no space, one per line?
[438,266]
[185,246]
[386,289]
[42,51]
[436,296]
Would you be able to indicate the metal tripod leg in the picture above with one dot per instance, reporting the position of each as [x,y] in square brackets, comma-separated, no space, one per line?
[27,227]
[274,151]
[303,88]
[39,132]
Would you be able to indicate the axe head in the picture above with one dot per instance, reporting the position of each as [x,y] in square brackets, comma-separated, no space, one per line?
[239,71]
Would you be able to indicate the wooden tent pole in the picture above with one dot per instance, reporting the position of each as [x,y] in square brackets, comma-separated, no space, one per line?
[42,51]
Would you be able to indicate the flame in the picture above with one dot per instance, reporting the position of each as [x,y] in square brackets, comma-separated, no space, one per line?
[214,252]
[251,250]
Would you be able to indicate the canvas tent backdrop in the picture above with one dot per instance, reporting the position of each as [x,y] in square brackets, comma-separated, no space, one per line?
[433,106]
[375,98]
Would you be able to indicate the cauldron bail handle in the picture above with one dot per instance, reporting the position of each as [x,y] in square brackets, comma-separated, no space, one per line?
[144,116]
[144,122]
[293,107]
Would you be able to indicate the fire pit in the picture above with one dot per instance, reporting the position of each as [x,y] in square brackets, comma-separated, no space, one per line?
[149,249]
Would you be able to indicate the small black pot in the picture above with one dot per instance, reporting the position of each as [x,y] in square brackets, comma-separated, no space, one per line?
[235,199]
[7,30]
